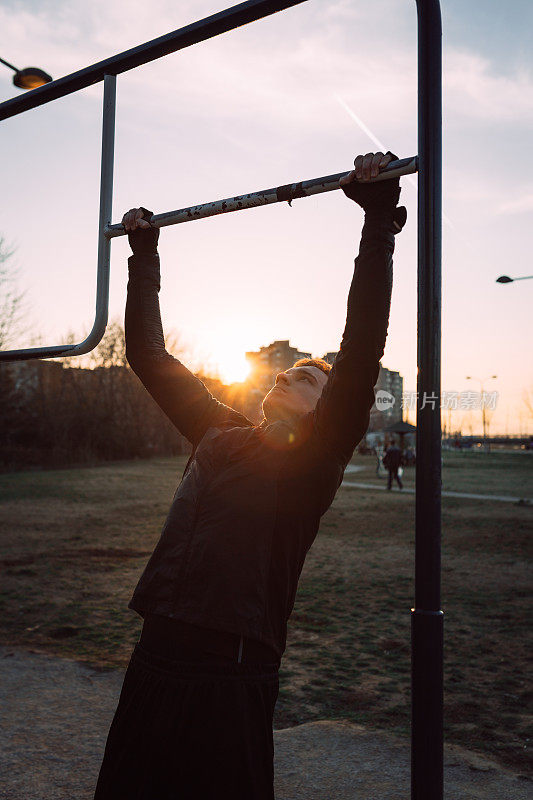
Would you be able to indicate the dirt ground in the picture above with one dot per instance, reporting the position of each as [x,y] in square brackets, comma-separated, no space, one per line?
[56,714]
[74,543]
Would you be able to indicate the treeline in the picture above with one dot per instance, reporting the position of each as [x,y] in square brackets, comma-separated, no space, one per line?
[55,414]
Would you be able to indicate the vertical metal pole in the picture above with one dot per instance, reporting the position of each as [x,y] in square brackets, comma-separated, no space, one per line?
[106,203]
[427,618]
[104,245]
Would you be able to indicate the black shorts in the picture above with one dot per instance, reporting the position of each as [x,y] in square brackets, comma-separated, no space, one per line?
[191,730]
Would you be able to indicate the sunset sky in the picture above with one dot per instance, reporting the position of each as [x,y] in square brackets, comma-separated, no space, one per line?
[295,96]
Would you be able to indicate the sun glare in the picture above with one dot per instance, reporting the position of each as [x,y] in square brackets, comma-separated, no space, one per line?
[233,369]
[228,357]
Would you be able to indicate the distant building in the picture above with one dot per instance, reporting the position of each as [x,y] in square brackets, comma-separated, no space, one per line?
[381,417]
[28,376]
[268,361]
[330,357]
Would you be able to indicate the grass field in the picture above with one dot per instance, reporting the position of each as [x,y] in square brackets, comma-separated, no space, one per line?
[74,543]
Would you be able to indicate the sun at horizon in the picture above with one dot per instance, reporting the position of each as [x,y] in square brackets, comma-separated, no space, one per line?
[233,368]
[227,356]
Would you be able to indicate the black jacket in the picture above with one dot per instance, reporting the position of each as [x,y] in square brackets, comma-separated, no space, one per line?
[392,458]
[248,506]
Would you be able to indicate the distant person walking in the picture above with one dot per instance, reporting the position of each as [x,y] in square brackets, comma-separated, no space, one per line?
[378,452]
[392,461]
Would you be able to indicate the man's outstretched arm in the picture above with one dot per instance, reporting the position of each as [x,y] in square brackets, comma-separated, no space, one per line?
[181,395]
[342,413]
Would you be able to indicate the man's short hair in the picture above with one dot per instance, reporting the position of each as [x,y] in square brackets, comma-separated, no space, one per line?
[319,363]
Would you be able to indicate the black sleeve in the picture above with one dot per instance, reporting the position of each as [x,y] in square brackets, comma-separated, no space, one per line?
[342,413]
[183,397]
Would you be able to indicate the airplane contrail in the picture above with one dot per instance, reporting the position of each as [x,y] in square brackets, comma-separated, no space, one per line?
[413,181]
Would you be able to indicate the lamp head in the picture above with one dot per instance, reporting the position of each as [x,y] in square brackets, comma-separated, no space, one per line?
[31,78]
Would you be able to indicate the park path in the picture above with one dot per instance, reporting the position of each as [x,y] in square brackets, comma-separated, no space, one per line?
[352,468]
[56,714]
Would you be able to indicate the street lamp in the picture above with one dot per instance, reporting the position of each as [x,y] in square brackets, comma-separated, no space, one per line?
[483,417]
[507,279]
[29,77]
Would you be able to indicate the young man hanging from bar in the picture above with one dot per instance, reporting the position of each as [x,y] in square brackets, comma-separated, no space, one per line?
[195,715]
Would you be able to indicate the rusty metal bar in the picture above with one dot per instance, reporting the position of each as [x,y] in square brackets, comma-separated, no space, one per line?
[279,194]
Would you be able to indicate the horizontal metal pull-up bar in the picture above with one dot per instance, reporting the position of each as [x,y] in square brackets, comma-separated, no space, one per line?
[280,194]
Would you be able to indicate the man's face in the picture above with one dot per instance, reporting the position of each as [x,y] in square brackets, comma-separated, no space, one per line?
[294,393]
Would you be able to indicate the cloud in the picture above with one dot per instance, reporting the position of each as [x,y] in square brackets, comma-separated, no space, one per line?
[471,90]
[520,206]
[290,75]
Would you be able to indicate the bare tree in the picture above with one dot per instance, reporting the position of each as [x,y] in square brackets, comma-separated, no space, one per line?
[527,399]
[92,408]
[12,324]
[111,350]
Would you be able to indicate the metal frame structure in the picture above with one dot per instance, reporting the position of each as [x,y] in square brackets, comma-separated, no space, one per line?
[427,619]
